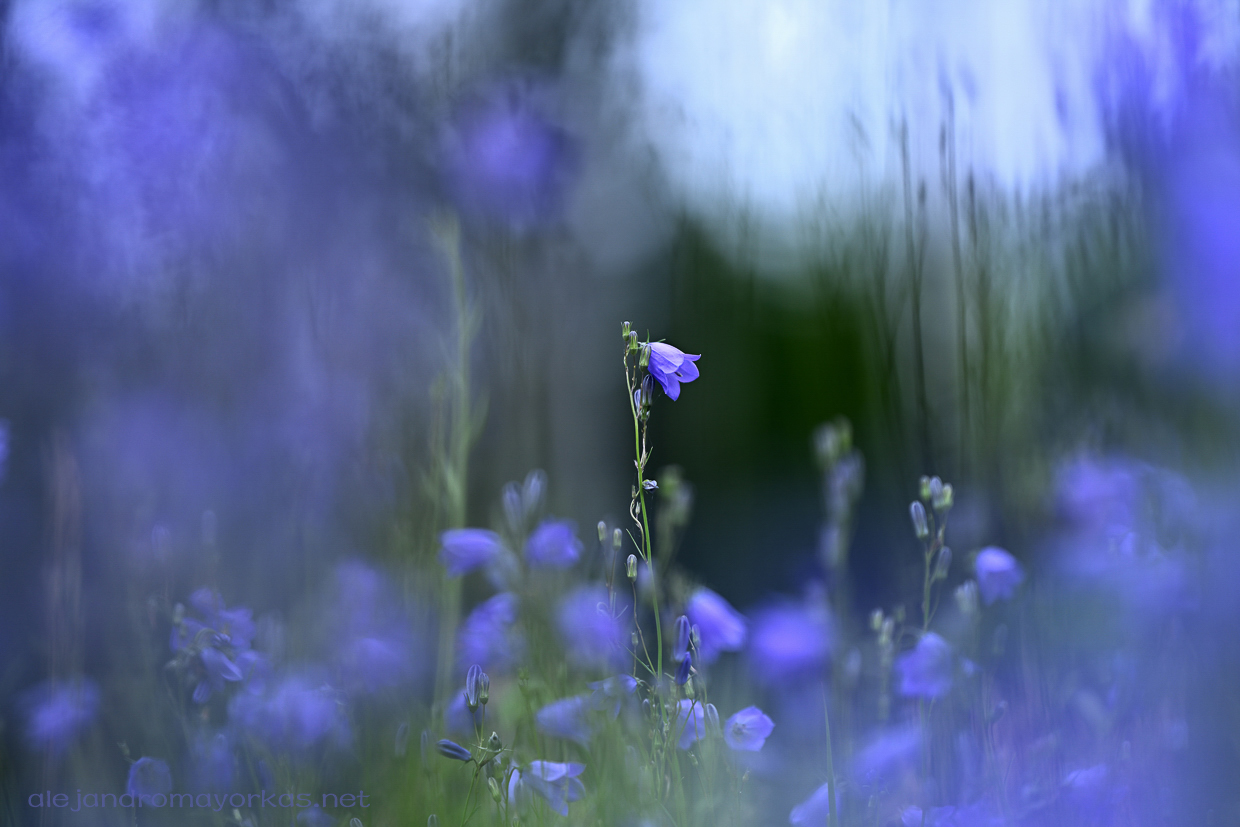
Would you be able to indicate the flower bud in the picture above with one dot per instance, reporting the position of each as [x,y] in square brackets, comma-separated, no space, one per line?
[876,620]
[624,330]
[494,743]
[918,514]
[943,502]
[630,567]
[923,488]
[680,645]
[634,639]
[477,688]
[966,598]
[453,750]
[402,739]
[514,511]
[617,539]
[602,531]
[432,820]
[712,719]
[355,822]
[644,359]
[943,564]
[633,345]
[682,672]
[936,489]
[493,786]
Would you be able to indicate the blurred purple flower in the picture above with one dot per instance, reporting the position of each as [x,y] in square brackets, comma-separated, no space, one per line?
[566,718]
[466,549]
[814,810]
[926,670]
[681,632]
[371,636]
[149,777]
[56,713]
[591,635]
[487,636]
[218,670]
[212,764]
[998,574]
[748,729]
[789,642]
[720,627]
[555,783]
[886,752]
[684,669]
[297,713]
[458,720]
[671,366]
[612,692]
[553,545]
[236,624]
[505,159]
[690,723]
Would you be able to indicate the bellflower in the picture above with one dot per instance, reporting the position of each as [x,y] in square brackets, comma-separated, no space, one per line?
[555,783]
[219,669]
[611,693]
[886,752]
[297,713]
[213,767]
[553,545]
[748,729]
[465,549]
[487,636]
[477,687]
[926,670]
[57,713]
[457,718]
[998,574]
[681,633]
[720,627]
[684,669]
[368,632]
[690,722]
[149,776]
[789,642]
[566,718]
[236,624]
[453,750]
[591,635]
[815,810]
[670,366]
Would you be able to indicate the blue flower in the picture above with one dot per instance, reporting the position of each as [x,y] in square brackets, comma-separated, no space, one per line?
[487,636]
[372,640]
[789,642]
[466,549]
[218,670]
[213,767]
[720,627]
[451,749]
[690,723]
[592,636]
[56,713]
[886,753]
[235,624]
[926,670]
[671,366]
[998,574]
[611,693]
[555,783]
[566,718]
[748,729]
[297,713]
[680,639]
[815,810]
[553,545]
[149,776]
[477,687]
[458,720]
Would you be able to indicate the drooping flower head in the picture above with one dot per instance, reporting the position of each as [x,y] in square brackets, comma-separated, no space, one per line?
[555,783]
[487,636]
[148,777]
[720,627]
[926,670]
[592,636]
[748,729]
[57,713]
[670,366]
[789,641]
[998,574]
[465,549]
[553,545]
[567,718]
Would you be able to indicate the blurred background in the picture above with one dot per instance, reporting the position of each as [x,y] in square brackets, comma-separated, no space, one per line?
[238,240]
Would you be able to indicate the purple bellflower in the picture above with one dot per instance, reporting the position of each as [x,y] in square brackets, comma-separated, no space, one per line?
[149,777]
[926,670]
[610,693]
[671,366]
[56,713]
[453,750]
[458,720]
[720,627]
[555,783]
[370,636]
[295,714]
[487,636]
[748,729]
[592,636]
[684,669]
[567,718]
[788,642]
[465,549]
[690,722]
[553,545]
[886,753]
[815,809]
[212,764]
[998,574]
